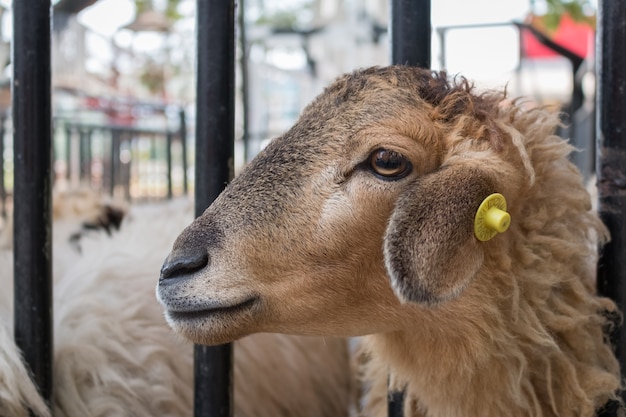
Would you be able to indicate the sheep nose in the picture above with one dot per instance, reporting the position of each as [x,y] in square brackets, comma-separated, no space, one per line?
[180,264]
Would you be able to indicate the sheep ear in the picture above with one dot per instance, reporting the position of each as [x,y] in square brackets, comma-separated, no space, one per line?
[430,250]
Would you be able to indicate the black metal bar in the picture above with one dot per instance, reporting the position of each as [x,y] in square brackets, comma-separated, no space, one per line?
[104,155]
[129,129]
[611,157]
[32,237]
[125,165]
[82,155]
[88,154]
[245,81]
[575,59]
[477,26]
[133,163]
[410,45]
[168,158]
[68,152]
[55,151]
[395,403]
[410,32]
[114,159]
[152,167]
[3,190]
[183,140]
[215,27]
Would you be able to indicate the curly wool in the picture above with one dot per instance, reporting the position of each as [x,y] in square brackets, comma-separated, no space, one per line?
[526,338]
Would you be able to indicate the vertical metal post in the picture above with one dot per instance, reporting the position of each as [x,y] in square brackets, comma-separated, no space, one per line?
[55,152]
[410,45]
[125,166]
[168,159]
[410,32]
[68,152]
[114,159]
[88,154]
[245,81]
[84,155]
[3,191]
[32,122]
[611,157]
[183,142]
[395,403]
[215,27]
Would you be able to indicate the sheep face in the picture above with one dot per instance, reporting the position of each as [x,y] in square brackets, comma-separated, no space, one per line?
[351,222]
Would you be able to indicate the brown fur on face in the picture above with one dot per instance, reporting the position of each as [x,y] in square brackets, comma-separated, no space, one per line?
[314,241]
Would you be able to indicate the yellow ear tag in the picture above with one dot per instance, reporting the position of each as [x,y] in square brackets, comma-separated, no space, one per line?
[491,217]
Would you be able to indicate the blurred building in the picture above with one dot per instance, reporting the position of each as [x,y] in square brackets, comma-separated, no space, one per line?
[115,67]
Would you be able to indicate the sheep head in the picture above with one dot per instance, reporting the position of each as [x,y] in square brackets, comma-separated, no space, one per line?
[352,221]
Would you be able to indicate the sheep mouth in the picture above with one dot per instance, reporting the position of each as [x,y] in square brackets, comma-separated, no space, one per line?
[204,313]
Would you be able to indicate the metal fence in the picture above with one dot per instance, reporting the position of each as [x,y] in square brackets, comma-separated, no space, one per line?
[134,162]
[410,34]
[578,120]
[128,162]
[611,157]
[3,189]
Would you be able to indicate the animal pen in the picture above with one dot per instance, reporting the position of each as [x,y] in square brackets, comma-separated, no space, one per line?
[410,33]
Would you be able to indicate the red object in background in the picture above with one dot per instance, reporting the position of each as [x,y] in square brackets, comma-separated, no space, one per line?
[577,37]
[118,113]
[92,102]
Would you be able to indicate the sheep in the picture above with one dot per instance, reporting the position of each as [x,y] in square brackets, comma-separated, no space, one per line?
[115,355]
[359,220]
[74,213]
[16,387]
[17,392]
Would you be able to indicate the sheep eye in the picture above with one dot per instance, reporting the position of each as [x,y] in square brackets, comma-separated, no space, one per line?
[389,164]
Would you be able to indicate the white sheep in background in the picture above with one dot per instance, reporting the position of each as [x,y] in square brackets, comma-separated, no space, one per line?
[16,387]
[114,354]
[360,220]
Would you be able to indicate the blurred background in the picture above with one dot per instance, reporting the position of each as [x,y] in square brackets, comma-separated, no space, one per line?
[124,85]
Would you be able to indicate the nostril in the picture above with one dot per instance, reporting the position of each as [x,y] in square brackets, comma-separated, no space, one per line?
[183,264]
